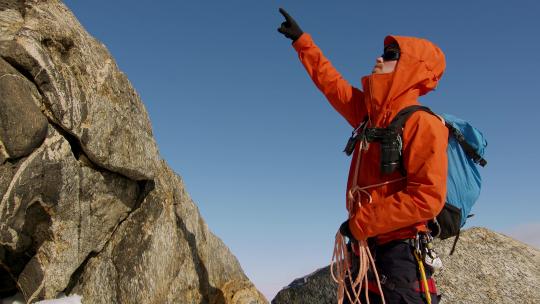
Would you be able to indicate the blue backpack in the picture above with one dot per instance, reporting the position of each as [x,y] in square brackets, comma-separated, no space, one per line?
[466,146]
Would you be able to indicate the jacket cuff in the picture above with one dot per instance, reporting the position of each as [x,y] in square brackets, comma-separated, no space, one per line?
[303,41]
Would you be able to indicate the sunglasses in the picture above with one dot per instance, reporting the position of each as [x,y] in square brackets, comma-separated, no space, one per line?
[391,54]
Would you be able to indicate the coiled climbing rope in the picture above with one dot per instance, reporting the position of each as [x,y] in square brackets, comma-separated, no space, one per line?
[341,265]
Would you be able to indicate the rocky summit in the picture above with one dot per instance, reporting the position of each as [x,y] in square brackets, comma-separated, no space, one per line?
[486,268]
[87,206]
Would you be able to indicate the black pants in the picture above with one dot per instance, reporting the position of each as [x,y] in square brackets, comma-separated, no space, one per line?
[398,270]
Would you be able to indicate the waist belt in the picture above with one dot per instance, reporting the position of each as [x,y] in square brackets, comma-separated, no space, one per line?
[416,286]
[354,247]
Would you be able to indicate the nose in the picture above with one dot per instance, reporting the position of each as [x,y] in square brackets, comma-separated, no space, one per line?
[379,60]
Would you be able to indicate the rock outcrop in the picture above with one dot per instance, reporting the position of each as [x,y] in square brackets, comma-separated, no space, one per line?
[487,267]
[86,204]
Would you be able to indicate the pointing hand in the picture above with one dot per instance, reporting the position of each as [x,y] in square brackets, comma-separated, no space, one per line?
[289,28]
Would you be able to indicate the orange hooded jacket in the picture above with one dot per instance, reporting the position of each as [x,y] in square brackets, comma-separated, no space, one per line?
[398,210]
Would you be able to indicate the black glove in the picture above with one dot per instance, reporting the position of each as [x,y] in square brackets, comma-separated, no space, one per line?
[289,28]
[346,231]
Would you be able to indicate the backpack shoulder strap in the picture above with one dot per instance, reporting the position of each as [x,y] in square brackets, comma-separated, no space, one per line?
[401,117]
[398,122]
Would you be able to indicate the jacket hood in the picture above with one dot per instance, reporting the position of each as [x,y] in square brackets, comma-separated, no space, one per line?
[420,66]
[418,71]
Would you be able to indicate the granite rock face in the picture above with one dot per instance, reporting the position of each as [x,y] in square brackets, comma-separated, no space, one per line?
[82,90]
[487,267]
[22,125]
[86,204]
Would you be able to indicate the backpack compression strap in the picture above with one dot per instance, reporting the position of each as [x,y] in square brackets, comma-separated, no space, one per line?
[401,117]
[471,152]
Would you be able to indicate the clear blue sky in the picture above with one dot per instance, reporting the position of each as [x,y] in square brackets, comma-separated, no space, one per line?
[235,114]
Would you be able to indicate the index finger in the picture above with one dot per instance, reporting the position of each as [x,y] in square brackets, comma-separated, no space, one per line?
[285,14]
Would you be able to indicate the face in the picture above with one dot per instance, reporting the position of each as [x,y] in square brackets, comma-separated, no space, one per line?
[382,67]
[386,63]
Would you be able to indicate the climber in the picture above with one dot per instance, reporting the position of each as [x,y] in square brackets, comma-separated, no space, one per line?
[389,210]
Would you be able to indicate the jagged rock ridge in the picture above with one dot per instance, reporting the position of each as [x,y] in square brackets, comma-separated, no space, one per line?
[486,268]
[86,204]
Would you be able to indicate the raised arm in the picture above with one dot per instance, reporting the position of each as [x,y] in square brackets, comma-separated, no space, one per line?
[346,99]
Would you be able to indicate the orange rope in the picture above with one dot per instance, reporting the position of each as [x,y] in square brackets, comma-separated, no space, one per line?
[341,261]
[340,267]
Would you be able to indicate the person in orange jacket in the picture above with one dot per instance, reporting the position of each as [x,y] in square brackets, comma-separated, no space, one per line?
[398,210]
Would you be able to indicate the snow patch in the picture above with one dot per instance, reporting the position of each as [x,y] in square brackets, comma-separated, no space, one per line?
[19,299]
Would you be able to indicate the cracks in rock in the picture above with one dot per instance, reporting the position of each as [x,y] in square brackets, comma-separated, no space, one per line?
[145,187]
[21,69]
[75,144]
[27,73]
[62,45]
[36,226]
[209,293]
[75,277]
[35,231]
[14,160]
[77,149]
[200,268]
[9,286]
